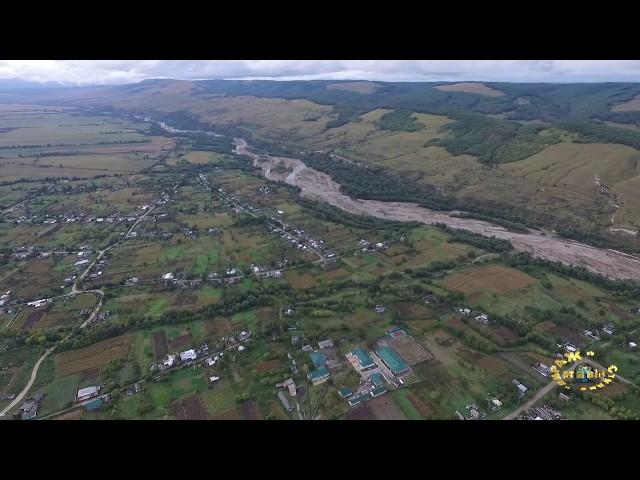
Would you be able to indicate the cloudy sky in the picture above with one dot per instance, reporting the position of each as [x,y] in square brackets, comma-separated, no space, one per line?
[87,72]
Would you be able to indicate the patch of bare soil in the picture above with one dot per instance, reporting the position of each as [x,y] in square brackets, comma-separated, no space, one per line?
[470,87]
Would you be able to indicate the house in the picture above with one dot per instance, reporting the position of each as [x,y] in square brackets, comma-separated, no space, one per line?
[542,369]
[80,263]
[590,334]
[211,362]
[319,375]
[608,329]
[570,348]
[168,276]
[170,360]
[94,404]
[377,391]
[361,360]
[495,404]
[325,344]
[241,348]
[522,390]
[345,392]
[214,379]
[633,344]
[464,311]
[319,359]
[188,355]
[87,393]
[379,309]
[392,360]
[291,386]
[285,402]
[474,413]
[307,349]
[483,319]
[358,399]
[377,379]
[564,397]
[29,409]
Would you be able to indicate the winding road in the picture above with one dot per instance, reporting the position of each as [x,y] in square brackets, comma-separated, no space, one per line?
[74,291]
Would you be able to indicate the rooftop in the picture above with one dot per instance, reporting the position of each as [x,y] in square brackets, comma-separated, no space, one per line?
[318,374]
[318,359]
[377,391]
[392,359]
[377,379]
[363,357]
[87,391]
[345,392]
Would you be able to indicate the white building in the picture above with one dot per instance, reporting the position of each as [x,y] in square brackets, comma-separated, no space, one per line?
[188,355]
[170,360]
[87,393]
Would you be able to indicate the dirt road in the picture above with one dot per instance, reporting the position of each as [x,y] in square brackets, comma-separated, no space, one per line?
[320,186]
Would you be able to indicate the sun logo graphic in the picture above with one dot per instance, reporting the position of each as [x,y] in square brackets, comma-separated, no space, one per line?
[575,372]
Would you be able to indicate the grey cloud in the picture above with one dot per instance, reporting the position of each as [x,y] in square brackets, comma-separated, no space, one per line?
[126,71]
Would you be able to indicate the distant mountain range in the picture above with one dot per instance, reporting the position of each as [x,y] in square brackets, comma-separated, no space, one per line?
[20,84]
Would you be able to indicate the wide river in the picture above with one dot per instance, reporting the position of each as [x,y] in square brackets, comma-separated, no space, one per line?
[320,186]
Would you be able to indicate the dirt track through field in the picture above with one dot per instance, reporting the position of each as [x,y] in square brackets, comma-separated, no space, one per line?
[320,186]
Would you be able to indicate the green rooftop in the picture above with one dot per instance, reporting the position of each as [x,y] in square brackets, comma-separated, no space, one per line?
[345,392]
[318,374]
[319,359]
[392,360]
[363,357]
[377,379]
[379,390]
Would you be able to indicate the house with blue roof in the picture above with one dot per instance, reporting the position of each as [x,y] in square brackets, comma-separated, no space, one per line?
[345,392]
[358,399]
[377,391]
[319,359]
[94,404]
[363,360]
[377,379]
[319,375]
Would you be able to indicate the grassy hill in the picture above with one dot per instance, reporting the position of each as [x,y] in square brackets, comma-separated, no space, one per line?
[531,148]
